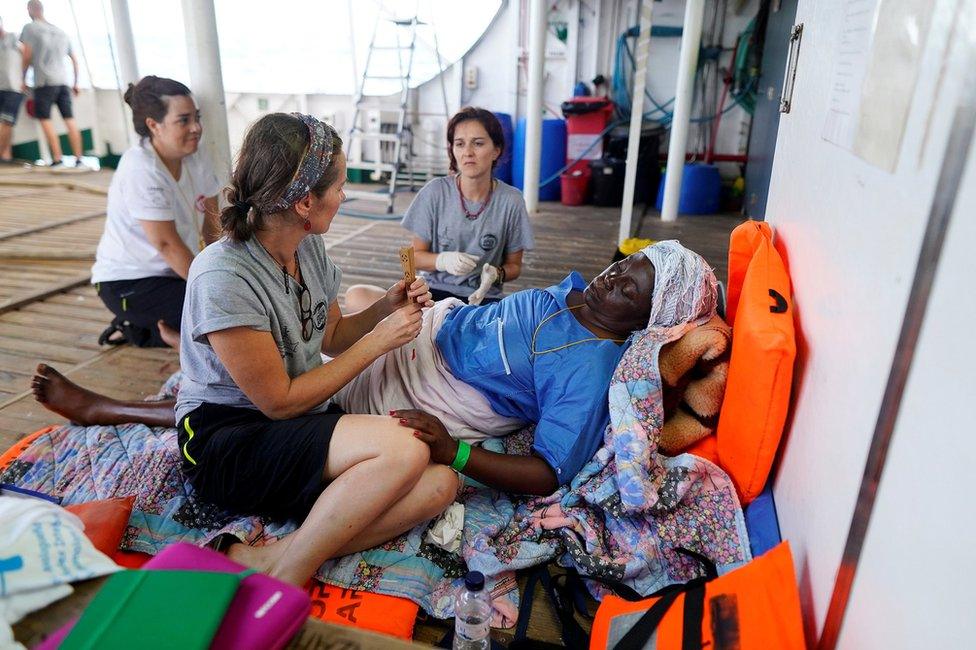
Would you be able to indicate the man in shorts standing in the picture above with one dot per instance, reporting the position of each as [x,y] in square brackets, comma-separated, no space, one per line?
[45,48]
[11,64]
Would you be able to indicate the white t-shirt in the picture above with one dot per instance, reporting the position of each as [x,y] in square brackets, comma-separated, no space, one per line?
[142,189]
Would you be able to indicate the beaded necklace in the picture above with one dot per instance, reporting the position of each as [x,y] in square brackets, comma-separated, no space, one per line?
[464,208]
[568,345]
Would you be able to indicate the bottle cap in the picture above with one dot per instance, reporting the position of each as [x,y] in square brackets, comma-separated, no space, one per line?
[474,580]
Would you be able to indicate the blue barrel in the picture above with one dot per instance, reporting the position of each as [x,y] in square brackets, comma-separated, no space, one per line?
[553,157]
[701,190]
[503,168]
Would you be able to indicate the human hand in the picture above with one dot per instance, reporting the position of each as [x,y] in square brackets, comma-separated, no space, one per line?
[24,88]
[429,429]
[455,263]
[400,327]
[75,90]
[489,276]
[418,293]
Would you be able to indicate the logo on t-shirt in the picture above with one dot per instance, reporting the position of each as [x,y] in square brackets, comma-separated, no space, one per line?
[157,197]
[318,316]
[488,242]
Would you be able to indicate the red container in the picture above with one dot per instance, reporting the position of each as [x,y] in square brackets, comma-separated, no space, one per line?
[575,187]
[586,119]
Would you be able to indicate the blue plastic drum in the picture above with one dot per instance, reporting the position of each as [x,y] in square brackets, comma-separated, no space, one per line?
[701,188]
[553,157]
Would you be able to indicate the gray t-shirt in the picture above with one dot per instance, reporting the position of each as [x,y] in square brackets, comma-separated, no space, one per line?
[10,63]
[49,48]
[436,217]
[238,284]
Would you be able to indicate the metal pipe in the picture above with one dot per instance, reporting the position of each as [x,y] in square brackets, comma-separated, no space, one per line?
[636,119]
[207,81]
[684,96]
[124,47]
[125,43]
[533,112]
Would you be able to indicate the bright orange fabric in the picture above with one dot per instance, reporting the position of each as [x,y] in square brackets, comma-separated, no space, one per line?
[706,448]
[105,521]
[742,245]
[363,609]
[757,394]
[760,606]
[18,447]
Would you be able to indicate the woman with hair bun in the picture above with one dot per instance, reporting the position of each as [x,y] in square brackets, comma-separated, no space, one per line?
[162,210]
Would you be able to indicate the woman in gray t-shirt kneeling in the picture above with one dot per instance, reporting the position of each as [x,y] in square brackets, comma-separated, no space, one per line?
[469,229]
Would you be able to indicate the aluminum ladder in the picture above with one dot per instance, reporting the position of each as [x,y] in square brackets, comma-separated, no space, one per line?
[395,148]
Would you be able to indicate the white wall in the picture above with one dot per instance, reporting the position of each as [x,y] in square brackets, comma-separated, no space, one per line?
[912,588]
[851,233]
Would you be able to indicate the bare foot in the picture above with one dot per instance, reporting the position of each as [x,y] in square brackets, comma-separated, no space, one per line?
[59,394]
[170,336]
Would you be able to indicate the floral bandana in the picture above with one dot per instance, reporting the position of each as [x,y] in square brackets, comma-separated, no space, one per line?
[317,158]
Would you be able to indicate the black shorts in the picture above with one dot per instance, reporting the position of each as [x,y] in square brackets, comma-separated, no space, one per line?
[440,294]
[46,96]
[139,304]
[245,462]
[9,106]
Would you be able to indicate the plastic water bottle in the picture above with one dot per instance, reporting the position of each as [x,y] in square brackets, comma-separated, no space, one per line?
[472,614]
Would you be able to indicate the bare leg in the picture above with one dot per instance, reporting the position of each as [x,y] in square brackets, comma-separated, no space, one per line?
[431,495]
[59,394]
[74,136]
[6,134]
[373,464]
[52,139]
[170,336]
[429,498]
[361,296]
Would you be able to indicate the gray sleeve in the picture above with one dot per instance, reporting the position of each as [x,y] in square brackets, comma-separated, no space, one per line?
[219,300]
[520,227]
[421,217]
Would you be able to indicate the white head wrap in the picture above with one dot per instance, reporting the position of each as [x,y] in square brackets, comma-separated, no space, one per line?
[685,288]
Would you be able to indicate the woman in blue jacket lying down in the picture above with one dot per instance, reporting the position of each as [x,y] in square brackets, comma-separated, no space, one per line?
[539,356]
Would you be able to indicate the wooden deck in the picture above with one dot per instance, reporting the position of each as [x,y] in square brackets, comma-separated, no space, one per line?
[49,228]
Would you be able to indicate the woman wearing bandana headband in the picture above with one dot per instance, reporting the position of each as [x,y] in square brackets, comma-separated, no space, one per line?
[258,430]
